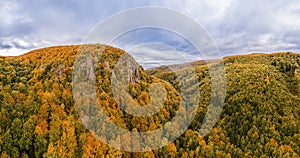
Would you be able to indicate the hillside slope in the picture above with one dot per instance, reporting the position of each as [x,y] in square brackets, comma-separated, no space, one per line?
[39,118]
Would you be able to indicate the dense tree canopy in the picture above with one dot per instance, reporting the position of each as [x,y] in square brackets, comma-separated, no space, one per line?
[38,117]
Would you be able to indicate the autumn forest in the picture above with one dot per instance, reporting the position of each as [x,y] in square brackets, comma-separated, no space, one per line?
[41,114]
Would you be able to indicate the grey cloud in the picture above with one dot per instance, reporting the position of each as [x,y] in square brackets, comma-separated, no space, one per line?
[236,26]
[157,54]
[254,21]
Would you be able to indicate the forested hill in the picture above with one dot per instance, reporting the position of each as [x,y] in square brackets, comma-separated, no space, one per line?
[38,116]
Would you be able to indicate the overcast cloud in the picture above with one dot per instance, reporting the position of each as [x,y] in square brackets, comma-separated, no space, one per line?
[236,26]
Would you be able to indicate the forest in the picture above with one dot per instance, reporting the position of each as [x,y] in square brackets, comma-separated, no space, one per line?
[41,109]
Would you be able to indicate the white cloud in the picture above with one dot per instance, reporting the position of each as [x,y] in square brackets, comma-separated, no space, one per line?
[13,52]
[13,46]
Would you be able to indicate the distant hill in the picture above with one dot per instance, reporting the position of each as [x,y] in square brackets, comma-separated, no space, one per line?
[39,118]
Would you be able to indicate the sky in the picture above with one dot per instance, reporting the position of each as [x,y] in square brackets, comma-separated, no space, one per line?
[235,26]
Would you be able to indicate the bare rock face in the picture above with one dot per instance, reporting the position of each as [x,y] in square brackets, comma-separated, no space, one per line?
[127,70]
[133,68]
[134,75]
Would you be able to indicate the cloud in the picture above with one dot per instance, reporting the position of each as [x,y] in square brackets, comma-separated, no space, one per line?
[12,20]
[206,12]
[58,22]
[158,54]
[242,26]
[237,27]
[258,26]
[155,47]
[10,13]
[17,46]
